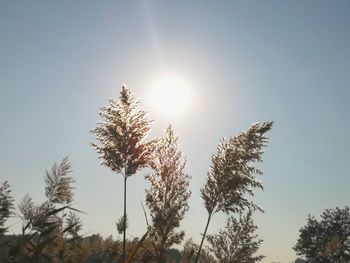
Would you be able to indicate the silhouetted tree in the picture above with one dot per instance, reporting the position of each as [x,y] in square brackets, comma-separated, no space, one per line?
[167,197]
[121,137]
[6,205]
[326,240]
[237,243]
[232,175]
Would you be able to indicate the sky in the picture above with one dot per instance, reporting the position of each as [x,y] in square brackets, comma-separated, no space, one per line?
[244,62]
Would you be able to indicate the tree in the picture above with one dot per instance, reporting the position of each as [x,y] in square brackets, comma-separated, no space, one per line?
[6,205]
[121,137]
[237,243]
[327,239]
[167,197]
[232,175]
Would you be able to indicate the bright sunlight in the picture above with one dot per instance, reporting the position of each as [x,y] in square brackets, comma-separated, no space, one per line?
[170,95]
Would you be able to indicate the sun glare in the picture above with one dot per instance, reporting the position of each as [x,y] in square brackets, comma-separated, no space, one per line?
[170,96]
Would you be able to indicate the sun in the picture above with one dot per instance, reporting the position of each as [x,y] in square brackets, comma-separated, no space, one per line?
[170,95]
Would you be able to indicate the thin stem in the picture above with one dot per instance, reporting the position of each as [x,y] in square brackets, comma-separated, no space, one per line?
[203,237]
[124,227]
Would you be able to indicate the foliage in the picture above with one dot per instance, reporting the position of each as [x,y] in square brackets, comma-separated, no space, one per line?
[91,249]
[28,211]
[121,223]
[73,225]
[232,175]
[58,189]
[50,230]
[121,137]
[188,255]
[47,230]
[188,251]
[167,197]
[327,239]
[237,243]
[6,205]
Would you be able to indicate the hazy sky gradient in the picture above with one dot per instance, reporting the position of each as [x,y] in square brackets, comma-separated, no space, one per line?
[247,61]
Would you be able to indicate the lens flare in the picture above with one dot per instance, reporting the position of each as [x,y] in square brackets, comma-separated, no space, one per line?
[170,96]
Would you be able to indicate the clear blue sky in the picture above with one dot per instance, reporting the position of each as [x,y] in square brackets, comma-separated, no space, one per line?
[248,61]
